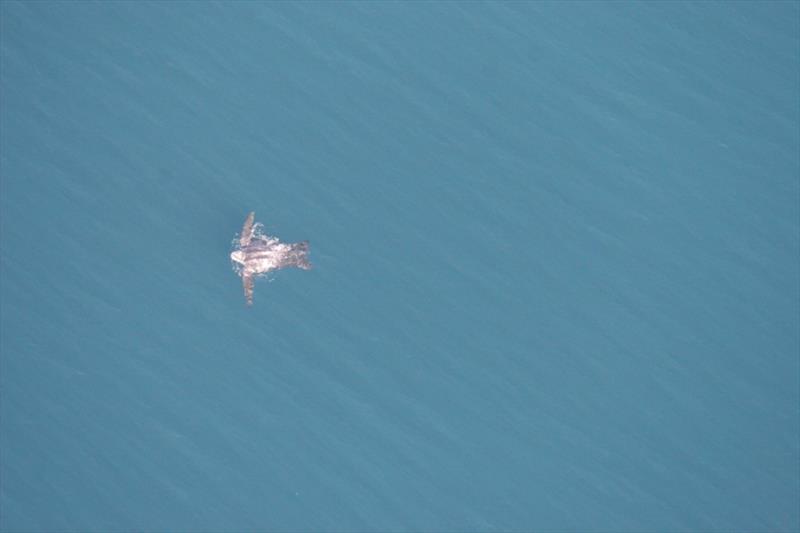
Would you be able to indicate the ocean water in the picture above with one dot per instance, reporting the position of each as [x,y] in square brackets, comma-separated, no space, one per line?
[555,279]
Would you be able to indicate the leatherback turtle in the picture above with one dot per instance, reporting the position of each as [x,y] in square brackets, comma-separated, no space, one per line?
[257,254]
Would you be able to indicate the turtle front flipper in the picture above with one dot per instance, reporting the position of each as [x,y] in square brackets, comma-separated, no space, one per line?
[247,283]
[247,230]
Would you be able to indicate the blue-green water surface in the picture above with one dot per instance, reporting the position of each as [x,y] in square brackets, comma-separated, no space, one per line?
[556,266]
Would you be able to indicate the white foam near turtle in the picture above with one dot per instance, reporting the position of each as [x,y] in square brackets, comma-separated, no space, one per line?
[257,254]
